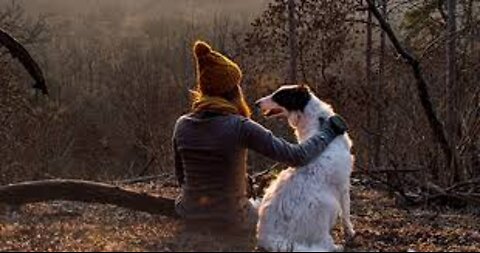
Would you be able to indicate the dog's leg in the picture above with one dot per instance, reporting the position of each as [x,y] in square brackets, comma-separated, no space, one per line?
[276,243]
[327,245]
[347,223]
[255,202]
[327,217]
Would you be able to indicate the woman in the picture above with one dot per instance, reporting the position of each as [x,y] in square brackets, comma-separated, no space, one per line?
[211,143]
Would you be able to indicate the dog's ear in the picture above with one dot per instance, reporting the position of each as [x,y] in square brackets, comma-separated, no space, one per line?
[292,98]
[304,87]
[294,119]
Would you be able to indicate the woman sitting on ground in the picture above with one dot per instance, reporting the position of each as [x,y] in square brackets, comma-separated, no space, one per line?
[211,144]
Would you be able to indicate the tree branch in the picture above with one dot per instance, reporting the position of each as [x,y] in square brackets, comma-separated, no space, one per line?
[18,51]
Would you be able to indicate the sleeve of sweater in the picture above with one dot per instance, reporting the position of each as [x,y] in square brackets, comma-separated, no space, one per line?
[178,163]
[257,138]
[179,170]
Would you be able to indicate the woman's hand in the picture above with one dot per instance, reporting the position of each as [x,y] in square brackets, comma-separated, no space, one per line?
[338,124]
[333,127]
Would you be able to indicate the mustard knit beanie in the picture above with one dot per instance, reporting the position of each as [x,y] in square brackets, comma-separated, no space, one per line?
[216,74]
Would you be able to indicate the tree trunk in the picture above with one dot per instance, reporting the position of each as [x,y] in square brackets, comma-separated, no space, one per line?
[379,92]
[381,98]
[368,71]
[292,42]
[83,191]
[452,90]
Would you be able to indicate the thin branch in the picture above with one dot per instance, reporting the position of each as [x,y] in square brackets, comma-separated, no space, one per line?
[147,166]
[440,5]
[394,188]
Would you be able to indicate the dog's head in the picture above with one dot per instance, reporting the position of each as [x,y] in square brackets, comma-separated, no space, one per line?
[294,102]
[285,100]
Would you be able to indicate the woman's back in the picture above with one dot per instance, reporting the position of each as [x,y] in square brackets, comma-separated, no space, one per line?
[211,164]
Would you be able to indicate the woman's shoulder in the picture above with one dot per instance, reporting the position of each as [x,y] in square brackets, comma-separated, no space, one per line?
[229,121]
[212,116]
[242,120]
[184,117]
[248,125]
[181,121]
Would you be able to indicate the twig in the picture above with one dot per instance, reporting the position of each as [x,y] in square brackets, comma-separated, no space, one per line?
[265,172]
[465,183]
[435,192]
[145,168]
[394,188]
[388,171]
[168,182]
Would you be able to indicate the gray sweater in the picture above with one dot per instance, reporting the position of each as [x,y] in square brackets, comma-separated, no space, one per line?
[210,160]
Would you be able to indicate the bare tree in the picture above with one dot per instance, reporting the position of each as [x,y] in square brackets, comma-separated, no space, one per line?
[292,27]
[452,88]
[438,130]
[369,62]
[307,47]
[381,83]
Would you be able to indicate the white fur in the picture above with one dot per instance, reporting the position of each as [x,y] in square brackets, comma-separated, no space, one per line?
[302,205]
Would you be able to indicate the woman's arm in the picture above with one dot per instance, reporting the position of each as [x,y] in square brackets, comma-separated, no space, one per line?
[179,171]
[258,138]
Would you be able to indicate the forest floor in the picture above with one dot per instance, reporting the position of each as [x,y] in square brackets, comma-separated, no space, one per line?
[380,226]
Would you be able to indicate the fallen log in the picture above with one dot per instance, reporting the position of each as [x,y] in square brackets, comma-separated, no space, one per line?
[142,179]
[85,191]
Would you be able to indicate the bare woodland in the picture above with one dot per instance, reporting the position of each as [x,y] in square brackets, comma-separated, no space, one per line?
[404,74]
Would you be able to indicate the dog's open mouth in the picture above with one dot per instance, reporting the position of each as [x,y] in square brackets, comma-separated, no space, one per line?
[273,112]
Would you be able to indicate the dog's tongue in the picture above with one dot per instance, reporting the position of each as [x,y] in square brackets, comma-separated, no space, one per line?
[273,112]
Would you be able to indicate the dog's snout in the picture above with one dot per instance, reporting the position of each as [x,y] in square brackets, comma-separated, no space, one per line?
[257,108]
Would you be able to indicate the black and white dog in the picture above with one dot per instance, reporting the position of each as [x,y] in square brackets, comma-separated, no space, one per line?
[301,206]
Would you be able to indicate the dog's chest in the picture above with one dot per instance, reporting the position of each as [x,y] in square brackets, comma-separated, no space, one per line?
[333,164]
[332,167]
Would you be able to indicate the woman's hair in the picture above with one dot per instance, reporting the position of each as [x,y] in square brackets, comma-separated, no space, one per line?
[235,96]
[238,99]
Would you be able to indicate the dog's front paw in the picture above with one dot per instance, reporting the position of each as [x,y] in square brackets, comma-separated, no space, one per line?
[350,235]
[338,248]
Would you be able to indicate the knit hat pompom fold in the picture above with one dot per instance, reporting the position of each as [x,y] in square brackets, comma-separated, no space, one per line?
[201,49]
